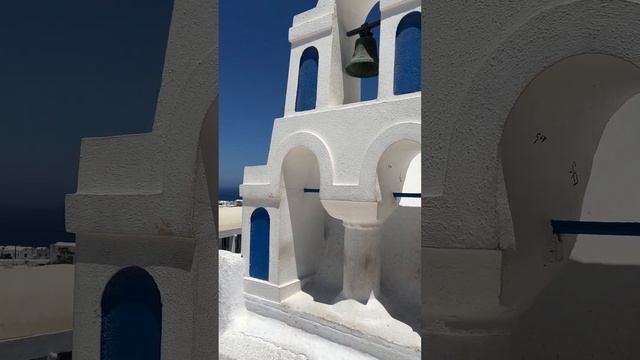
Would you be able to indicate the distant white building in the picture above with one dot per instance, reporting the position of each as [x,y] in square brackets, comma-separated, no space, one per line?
[230,227]
[62,252]
[28,255]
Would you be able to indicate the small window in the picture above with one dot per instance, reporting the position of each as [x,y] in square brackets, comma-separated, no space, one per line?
[307,80]
[259,246]
[408,55]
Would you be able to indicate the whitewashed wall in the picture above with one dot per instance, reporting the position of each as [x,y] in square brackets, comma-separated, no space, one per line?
[145,200]
[478,59]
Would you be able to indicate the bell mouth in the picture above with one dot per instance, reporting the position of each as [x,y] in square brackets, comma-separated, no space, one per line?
[362,70]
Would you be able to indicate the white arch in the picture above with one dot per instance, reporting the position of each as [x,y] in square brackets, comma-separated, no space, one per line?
[410,131]
[309,141]
[570,28]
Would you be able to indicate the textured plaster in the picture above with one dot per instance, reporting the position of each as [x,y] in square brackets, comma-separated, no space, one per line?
[479,57]
[145,200]
[338,245]
[478,60]
[328,134]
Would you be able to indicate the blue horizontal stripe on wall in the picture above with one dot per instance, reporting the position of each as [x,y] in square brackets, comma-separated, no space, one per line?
[595,228]
[311,190]
[407,195]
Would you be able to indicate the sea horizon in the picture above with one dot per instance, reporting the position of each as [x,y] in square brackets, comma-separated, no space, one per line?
[228,193]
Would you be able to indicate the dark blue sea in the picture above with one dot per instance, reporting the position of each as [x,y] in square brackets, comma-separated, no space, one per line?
[229,193]
[44,226]
[37,226]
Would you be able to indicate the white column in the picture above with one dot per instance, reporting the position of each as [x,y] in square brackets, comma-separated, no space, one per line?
[361,261]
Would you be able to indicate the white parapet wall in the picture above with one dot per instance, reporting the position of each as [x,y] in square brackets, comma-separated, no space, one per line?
[36,311]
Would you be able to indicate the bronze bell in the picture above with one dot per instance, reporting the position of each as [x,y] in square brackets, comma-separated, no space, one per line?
[364,62]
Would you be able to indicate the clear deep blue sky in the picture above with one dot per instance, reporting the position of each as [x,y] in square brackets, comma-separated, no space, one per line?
[69,69]
[254,63]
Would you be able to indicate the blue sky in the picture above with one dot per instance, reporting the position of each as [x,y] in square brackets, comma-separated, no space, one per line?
[254,63]
[69,70]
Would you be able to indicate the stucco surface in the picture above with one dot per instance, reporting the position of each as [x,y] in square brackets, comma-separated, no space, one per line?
[479,61]
[338,234]
[146,200]
[144,183]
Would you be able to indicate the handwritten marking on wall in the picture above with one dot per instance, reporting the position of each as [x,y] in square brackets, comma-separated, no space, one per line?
[575,180]
[540,138]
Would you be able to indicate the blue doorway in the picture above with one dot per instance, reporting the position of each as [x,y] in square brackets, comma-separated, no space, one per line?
[259,249]
[131,317]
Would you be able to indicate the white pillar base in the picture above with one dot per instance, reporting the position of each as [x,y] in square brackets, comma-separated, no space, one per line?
[362,261]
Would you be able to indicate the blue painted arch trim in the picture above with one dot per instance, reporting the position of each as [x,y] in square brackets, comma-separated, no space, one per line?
[408,57]
[259,244]
[307,92]
[131,324]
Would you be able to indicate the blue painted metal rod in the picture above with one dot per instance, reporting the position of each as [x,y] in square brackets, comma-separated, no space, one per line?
[595,228]
[311,190]
[407,195]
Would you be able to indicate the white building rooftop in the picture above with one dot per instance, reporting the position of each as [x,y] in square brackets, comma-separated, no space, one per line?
[229,221]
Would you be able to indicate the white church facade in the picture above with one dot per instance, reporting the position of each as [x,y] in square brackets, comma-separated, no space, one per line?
[334,214]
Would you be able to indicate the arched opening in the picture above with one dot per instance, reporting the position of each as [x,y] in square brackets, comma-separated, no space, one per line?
[131,326]
[612,192]
[369,86]
[399,177]
[318,253]
[259,246]
[598,284]
[352,14]
[307,80]
[399,181]
[408,57]
[553,145]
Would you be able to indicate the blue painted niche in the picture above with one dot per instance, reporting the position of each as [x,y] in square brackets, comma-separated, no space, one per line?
[408,55]
[307,80]
[369,86]
[259,249]
[131,317]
